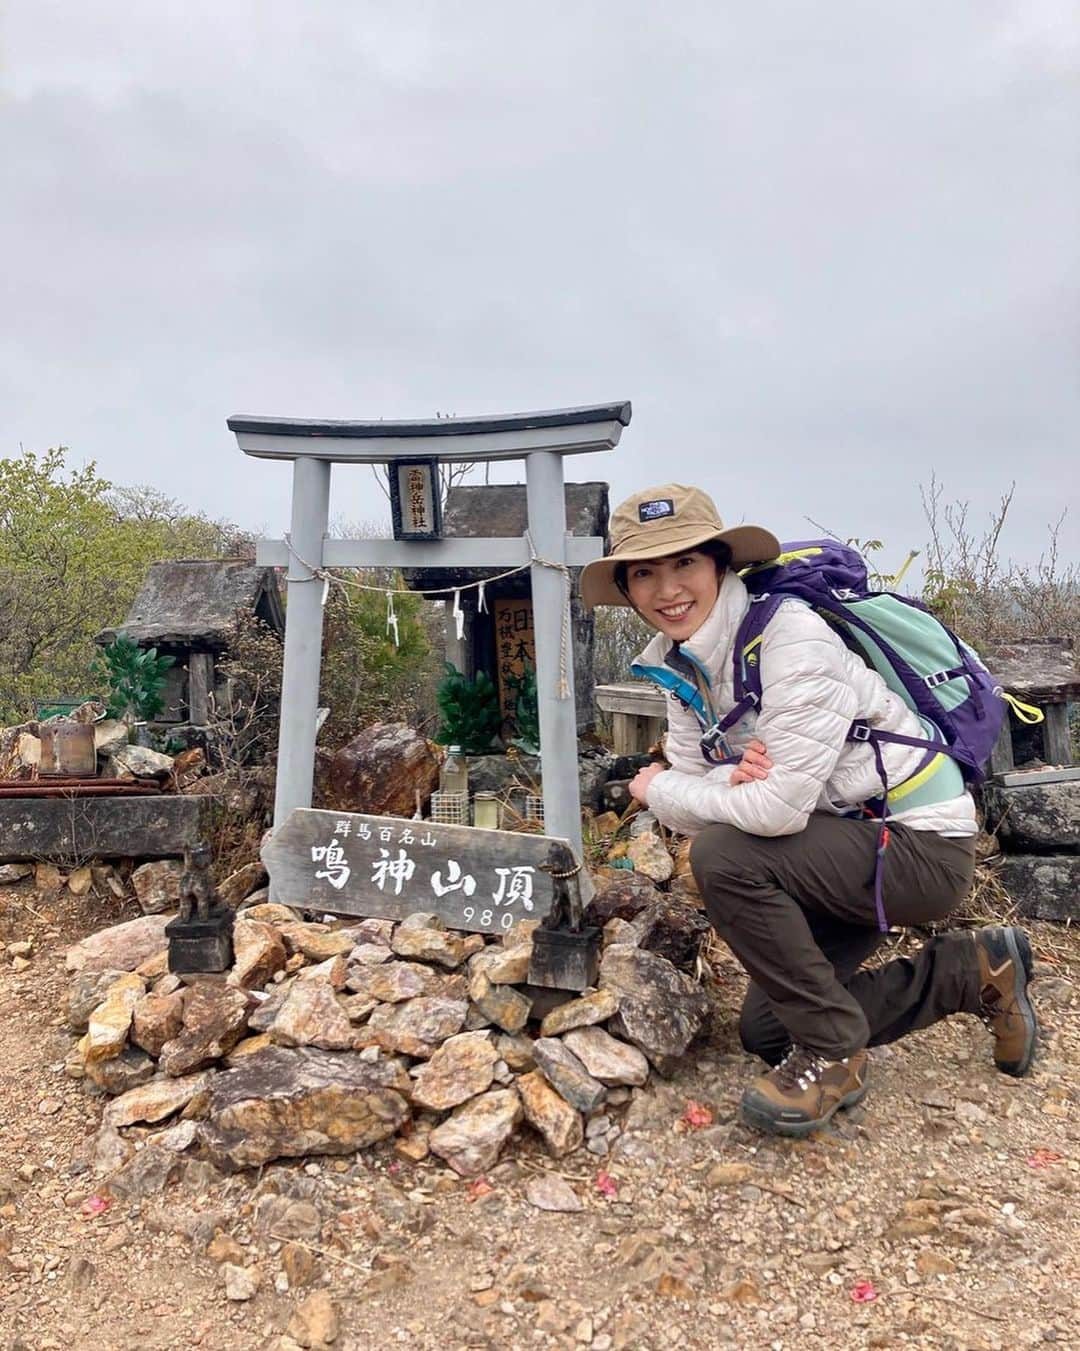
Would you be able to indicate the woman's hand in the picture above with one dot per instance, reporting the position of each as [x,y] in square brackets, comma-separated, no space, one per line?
[639,784]
[755,764]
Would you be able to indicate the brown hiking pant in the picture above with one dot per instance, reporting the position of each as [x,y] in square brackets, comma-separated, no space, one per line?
[798,912]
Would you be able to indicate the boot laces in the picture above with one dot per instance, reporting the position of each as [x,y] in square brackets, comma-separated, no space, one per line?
[995,1007]
[800,1068]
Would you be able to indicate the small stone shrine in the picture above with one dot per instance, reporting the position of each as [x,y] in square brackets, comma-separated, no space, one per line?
[186,608]
[497,629]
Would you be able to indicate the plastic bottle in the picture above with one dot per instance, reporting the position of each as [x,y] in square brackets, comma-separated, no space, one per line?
[454,775]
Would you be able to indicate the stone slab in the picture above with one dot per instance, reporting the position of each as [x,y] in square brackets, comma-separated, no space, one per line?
[1035,818]
[1043,886]
[79,828]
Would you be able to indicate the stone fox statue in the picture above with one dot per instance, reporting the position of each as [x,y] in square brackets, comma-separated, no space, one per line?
[198,895]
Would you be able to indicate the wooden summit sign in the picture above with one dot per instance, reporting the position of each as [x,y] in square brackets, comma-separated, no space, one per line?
[482,881]
[515,649]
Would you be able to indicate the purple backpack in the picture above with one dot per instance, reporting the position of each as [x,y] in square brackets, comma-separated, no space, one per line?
[935,673]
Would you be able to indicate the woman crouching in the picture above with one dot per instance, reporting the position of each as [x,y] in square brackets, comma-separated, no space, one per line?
[783,855]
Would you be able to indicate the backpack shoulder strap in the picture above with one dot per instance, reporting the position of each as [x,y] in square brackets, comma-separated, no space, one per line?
[746,655]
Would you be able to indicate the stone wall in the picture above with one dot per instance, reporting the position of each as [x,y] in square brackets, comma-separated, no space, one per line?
[1038,827]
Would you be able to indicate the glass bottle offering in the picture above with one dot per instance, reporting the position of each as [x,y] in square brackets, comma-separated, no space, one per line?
[486,811]
[454,775]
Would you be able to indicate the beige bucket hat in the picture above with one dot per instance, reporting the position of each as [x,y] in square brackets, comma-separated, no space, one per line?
[666,520]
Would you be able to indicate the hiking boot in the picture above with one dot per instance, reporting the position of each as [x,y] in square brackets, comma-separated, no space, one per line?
[1005,966]
[802,1092]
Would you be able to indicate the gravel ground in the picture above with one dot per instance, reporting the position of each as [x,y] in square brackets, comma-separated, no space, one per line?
[948,1201]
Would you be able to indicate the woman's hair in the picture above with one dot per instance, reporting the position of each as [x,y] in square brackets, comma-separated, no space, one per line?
[716,549]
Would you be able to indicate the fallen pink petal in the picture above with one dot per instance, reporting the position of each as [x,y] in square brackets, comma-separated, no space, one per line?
[606,1185]
[864,1292]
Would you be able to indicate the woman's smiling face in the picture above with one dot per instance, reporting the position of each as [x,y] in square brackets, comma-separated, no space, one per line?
[675,594]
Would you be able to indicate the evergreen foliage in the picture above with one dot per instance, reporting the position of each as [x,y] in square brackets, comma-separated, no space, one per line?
[471,717]
[526,712]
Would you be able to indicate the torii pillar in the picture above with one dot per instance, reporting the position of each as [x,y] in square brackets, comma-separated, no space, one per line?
[541,440]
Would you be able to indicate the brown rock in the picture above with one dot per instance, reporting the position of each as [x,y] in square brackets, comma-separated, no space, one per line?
[549,1191]
[285,1103]
[121,947]
[267,1008]
[428,945]
[550,1114]
[517,1051]
[239,885]
[370,954]
[312,1016]
[358,1006]
[731,1174]
[299,1265]
[315,941]
[241,1283]
[930,1263]
[392,982]
[88,990]
[672,929]
[187,767]
[595,1007]
[315,1323]
[157,885]
[223,1248]
[417,1027]
[661,1010]
[48,879]
[259,951]
[665,925]
[157,1019]
[107,1027]
[269,912]
[649,856]
[567,1075]
[500,1004]
[620,894]
[470,1140]
[80,881]
[620,931]
[139,762]
[154,1101]
[461,1068]
[215,1018]
[613,1063]
[371,930]
[504,966]
[333,972]
[381,770]
[249,1046]
[122,1072]
[154,967]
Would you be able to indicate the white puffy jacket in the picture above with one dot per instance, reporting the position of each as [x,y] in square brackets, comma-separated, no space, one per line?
[813,687]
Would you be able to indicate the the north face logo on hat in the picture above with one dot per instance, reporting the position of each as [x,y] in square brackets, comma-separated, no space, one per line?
[652,511]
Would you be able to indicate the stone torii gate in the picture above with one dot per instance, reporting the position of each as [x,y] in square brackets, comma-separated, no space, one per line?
[541,440]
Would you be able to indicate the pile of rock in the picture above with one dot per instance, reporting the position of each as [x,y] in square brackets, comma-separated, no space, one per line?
[329,1037]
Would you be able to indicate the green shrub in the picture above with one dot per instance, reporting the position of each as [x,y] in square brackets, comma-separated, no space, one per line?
[471,716]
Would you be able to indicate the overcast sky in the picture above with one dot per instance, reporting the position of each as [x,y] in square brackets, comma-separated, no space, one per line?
[824,249]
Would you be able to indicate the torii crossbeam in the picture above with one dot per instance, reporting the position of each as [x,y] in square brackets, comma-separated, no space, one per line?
[541,440]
